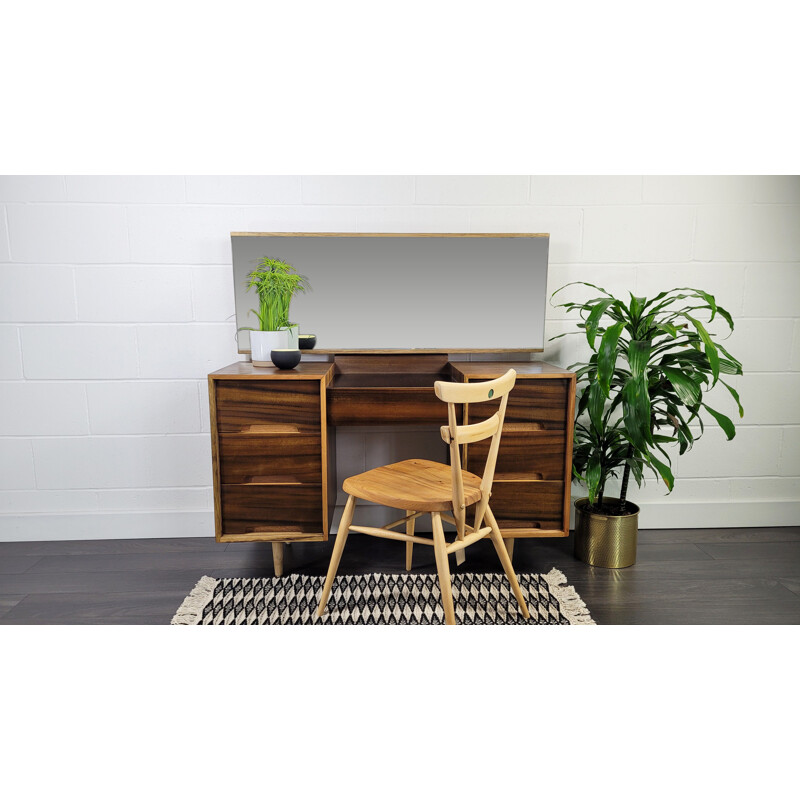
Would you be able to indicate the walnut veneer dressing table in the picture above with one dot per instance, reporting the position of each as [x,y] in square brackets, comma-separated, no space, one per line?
[273,439]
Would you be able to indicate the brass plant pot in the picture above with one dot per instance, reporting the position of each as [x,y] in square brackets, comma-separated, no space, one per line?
[606,541]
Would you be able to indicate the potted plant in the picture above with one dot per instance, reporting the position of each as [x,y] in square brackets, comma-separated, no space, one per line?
[653,361]
[276,282]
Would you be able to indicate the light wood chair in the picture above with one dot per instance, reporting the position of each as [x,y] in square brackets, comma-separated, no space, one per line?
[445,492]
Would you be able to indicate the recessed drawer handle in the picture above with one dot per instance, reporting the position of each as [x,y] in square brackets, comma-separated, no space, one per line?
[272,479]
[270,428]
[274,529]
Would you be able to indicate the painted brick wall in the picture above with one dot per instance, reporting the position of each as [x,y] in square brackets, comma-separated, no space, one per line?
[116,300]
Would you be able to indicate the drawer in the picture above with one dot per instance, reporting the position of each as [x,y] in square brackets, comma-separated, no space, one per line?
[258,458]
[528,504]
[386,406]
[266,509]
[264,406]
[540,401]
[526,452]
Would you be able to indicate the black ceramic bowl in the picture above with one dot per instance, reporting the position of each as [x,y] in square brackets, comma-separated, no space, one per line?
[307,341]
[285,359]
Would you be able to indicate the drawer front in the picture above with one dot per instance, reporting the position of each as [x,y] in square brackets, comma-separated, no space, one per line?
[528,504]
[535,401]
[263,459]
[384,406]
[253,406]
[271,509]
[525,453]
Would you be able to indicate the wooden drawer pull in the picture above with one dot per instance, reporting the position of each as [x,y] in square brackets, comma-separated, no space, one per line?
[274,529]
[266,480]
[274,428]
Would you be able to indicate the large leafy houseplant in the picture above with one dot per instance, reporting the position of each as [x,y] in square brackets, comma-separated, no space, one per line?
[276,282]
[653,361]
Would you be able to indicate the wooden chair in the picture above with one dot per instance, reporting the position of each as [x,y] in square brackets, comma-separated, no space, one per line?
[445,492]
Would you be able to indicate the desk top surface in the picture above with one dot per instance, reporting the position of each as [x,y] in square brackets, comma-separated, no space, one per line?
[305,371]
[318,370]
[524,369]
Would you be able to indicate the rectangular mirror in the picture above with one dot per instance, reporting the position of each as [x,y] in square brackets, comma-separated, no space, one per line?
[436,292]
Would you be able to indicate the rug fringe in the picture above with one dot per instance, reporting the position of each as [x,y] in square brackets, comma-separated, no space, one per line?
[192,607]
[573,608]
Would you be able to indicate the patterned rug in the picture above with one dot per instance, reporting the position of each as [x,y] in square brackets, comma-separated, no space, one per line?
[404,599]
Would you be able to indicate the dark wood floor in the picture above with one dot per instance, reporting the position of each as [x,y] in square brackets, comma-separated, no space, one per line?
[707,576]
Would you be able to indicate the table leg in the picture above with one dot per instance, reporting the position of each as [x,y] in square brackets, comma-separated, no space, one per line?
[277,558]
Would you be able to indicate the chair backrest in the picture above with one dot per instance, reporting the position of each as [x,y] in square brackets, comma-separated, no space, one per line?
[456,435]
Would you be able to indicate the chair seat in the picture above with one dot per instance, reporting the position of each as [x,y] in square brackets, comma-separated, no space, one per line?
[414,485]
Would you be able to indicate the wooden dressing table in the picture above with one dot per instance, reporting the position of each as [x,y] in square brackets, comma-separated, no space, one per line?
[273,439]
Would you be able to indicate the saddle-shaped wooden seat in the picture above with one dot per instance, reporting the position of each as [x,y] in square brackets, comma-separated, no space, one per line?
[416,483]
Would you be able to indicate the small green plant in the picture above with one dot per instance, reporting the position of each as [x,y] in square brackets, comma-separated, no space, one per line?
[644,384]
[276,282]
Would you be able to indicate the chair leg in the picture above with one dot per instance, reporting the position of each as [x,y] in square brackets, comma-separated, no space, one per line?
[500,546]
[409,545]
[338,549]
[461,555]
[443,568]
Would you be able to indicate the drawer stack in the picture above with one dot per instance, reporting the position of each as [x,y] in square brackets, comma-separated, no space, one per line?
[271,452]
[531,490]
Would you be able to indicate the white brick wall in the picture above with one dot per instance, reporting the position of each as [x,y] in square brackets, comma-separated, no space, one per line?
[125,294]
[116,300]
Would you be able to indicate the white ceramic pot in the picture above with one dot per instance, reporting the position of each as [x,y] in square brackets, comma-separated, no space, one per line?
[294,337]
[262,343]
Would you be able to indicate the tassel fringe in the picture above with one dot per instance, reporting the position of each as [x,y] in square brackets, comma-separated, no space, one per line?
[573,608]
[192,607]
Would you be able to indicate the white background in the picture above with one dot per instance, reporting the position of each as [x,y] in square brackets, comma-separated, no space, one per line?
[353,88]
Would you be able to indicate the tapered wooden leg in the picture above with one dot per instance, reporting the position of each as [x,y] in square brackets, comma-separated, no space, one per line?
[338,549]
[443,568]
[509,543]
[499,545]
[409,545]
[460,518]
[277,558]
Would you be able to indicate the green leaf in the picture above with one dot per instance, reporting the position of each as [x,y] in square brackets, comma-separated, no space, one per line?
[636,413]
[727,367]
[686,389]
[593,320]
[580,283]
[583,402]
[594,472]
[668,328]
[710,347]
[735,395]
[726,316]
[637,306]
[663,470]
[596,403]
[636,469]
[724,422]
[607,356]
[732,359]
[712,303]
[638,356]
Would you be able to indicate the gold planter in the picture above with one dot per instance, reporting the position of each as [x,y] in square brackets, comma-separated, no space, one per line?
[606,541]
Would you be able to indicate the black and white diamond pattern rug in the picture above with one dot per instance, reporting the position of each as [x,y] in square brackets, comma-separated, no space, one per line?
[376,599]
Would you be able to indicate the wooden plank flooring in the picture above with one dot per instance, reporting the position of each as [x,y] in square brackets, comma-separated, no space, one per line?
[707,576]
